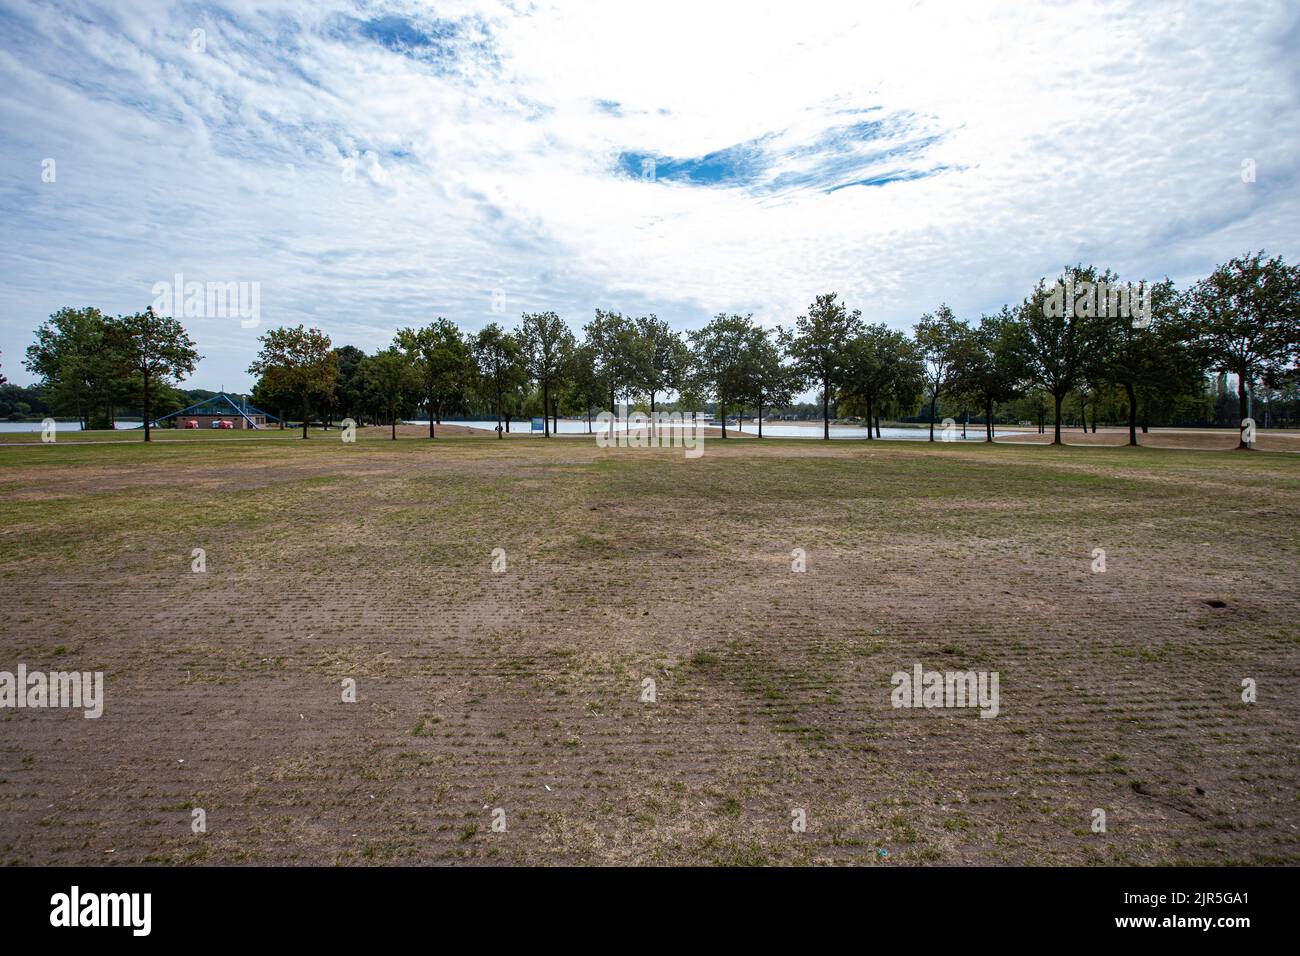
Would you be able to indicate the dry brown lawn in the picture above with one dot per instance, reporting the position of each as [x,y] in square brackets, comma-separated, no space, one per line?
[522,690]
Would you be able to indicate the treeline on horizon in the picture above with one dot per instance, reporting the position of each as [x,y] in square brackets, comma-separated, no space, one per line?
[1168,366]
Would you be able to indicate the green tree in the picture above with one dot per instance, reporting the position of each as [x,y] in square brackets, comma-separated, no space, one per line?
[1101,316]
[299,361]
[500,366]
[442,364]
[819,347]
[79,369]
[1139,357]
[1246,321]
[719,369]
[519,400]
[1173,375]
[882,364]
[942,342]
[1057,336]
[347,397]
[993,369]
[272,398]
[771,380]
[664,360]
[158,349]
[614,345]
[585,388]
[391,376]
[547,347]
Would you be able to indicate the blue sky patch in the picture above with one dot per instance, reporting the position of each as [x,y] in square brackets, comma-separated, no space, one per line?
[865,153]
[739,165]
[436,42]
[400,35]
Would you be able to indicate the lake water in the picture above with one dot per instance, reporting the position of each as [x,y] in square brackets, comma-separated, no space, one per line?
[572,427]
[63,426]
[770,429]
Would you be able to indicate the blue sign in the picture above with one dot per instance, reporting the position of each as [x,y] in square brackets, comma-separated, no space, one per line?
[539,425]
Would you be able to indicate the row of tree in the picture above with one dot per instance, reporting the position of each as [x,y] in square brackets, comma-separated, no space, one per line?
[1241,320]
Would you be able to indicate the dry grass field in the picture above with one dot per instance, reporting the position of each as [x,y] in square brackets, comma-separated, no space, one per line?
[521,690]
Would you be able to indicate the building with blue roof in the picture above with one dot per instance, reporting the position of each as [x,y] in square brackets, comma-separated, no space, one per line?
[221,407]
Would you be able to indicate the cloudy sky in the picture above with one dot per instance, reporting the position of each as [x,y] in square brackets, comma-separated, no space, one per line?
[379,164]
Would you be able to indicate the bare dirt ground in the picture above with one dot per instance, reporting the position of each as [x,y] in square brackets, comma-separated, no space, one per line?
[521,691]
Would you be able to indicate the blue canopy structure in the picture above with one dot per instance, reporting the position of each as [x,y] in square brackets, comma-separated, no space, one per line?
[221,405]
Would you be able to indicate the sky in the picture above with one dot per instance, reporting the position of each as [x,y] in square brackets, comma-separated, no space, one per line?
[375,165]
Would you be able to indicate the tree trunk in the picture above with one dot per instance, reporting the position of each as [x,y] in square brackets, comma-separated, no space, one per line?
[431,416]
[146,410]
[877,426]
[870,436]
[722,417]
[392,419]
[988,419]
[304,415]
[1056,427]
[546,404]
[1243,409]
[760,418]
[1132,413]
[653,424]
[826,410]
[934,399]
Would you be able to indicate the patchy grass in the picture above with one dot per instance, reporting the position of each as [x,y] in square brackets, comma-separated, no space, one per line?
[523,690]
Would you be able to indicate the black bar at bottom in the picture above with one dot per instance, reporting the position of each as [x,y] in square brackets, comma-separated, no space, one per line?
[942,905]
